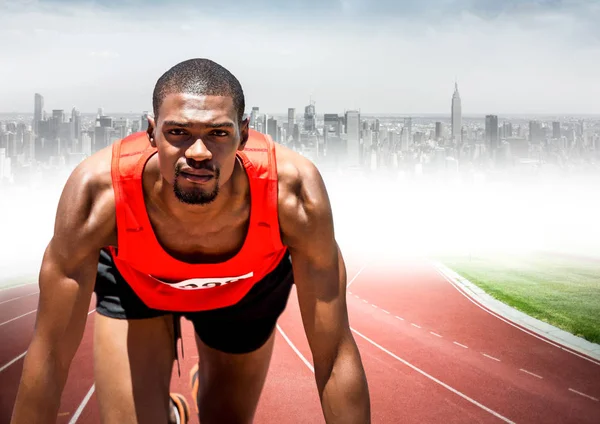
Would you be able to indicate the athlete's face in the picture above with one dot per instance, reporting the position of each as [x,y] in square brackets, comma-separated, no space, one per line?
[197,138]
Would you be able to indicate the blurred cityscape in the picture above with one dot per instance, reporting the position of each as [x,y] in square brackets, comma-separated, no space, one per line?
[38,146]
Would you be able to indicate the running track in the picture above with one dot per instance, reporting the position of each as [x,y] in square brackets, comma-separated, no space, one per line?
[431,356]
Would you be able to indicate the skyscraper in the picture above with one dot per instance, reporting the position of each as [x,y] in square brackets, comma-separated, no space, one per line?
[38,110]
[291,119]
[491,132]
[309,118]
[353,132]
[456,115]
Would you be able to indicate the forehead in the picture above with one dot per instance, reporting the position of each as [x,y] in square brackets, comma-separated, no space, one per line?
[192,108]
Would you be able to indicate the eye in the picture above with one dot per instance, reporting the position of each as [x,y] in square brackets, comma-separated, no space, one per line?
[177,131]
[220,133]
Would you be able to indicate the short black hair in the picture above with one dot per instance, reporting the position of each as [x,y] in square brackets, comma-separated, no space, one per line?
[201,77]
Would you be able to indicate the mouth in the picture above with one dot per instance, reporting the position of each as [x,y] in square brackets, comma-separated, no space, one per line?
[197,178]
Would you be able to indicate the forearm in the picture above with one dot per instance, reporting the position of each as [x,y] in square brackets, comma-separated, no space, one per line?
[344,391]
[42,383]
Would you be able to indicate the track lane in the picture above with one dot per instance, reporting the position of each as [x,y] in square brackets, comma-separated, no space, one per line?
[396,391]
[12,292]
[18,335]
[507,384]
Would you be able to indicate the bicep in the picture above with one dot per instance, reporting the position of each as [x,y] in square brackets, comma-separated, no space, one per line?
[69,265]
[319,269]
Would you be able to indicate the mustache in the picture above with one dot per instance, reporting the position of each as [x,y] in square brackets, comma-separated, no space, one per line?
[198,165]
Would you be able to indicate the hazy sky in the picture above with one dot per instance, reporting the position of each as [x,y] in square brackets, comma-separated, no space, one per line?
[377,55]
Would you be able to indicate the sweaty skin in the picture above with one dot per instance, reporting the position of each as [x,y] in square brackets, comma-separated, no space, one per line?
[202,129]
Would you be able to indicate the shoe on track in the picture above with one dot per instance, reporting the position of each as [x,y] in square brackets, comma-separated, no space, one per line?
[194,386]
[181,406]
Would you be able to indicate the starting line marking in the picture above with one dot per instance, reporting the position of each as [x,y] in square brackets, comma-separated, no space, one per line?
[461,345]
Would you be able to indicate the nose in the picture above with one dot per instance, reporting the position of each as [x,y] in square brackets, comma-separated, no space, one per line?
[198,151]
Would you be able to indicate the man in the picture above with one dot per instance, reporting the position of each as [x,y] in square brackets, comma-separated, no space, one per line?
[199,217]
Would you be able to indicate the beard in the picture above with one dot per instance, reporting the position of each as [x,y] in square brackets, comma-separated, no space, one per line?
[196,195]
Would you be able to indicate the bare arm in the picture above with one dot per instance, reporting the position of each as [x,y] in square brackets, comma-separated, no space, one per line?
[320,277]
[84,221]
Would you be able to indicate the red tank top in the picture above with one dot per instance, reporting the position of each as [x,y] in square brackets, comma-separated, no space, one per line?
[166,283]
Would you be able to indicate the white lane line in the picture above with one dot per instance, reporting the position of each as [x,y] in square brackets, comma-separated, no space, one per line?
[385,311]
[20,316]
[583,394]
[18,285]
[20,297]
[357,274]
[308,364]
[12,362]
[491,357]
[415,325]
[356,297]
[81,407]
[435,334]
[375,306]
[453,390]
[5,366]
[530,373]
[366,301]
[349,292]
[461,345]
[494,314]
[401,319]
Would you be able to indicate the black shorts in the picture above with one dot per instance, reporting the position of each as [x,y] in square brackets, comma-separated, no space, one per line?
[240,328]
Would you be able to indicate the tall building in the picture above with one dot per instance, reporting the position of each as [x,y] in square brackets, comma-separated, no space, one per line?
[291,119]
[75,130]
[456,115]
[144,121]
[310,118]
[353,133]
[556,130]
[536,132]
[253,116]
[38,110]
[272,128]
[438,131]
[491,132]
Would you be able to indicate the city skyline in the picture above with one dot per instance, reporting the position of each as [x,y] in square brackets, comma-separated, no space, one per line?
[519,58]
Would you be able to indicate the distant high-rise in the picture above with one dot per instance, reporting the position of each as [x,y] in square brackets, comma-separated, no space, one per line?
[556,130]
[291,119]
[491,131]
[353,132]
[456,114]
[38,110]
[272,128]
[438,131]
[309,118]
[144,121]
[253,116]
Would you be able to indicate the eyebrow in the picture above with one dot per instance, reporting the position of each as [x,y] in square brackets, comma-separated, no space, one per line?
[190,124]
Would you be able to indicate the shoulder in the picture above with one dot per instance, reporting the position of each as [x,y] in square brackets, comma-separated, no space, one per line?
[87,204]
[303,200]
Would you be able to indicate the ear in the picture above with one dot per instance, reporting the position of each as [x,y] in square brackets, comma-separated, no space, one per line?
[150,131]
[244,133]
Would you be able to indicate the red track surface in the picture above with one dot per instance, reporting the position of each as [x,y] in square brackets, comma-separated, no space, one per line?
[430,353]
